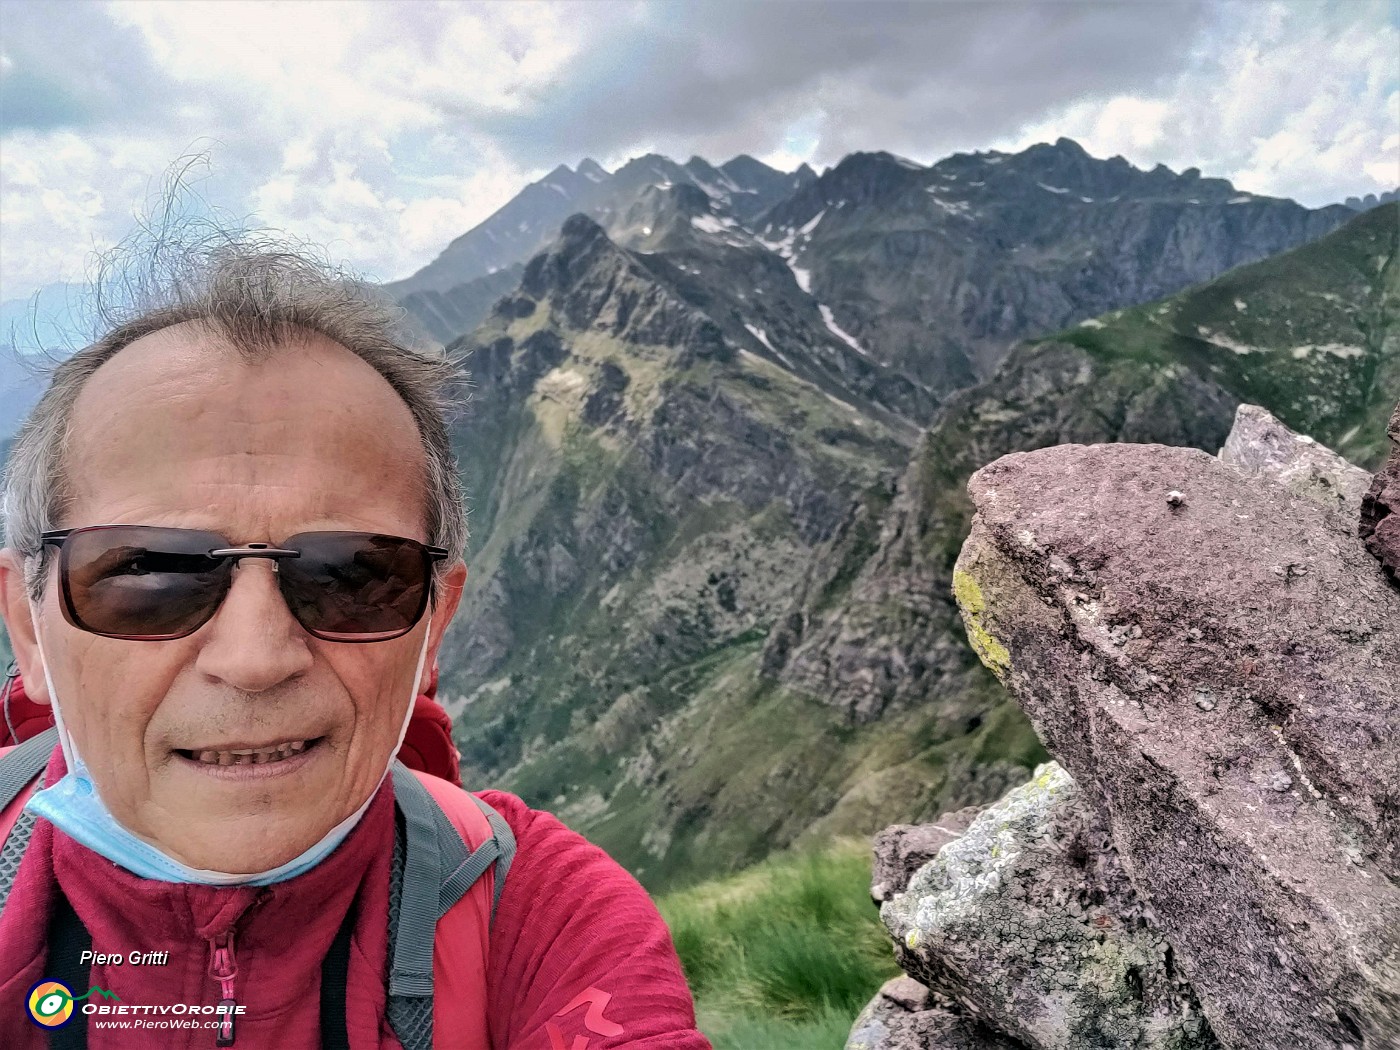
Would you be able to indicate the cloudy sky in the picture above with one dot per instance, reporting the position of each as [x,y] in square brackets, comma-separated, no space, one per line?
[383,129]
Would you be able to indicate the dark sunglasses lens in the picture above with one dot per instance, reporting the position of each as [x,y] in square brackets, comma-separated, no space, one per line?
[142,581]
[355,586]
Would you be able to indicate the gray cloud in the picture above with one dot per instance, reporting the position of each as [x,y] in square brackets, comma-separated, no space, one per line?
[384,130]
[68,65]
[922,77]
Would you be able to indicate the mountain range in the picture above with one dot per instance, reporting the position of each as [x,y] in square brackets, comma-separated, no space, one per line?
[716,458]
[721,422]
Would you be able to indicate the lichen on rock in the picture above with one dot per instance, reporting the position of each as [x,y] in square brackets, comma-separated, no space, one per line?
[1034,928]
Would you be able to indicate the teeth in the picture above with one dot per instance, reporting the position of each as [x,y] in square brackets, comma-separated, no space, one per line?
[251,756]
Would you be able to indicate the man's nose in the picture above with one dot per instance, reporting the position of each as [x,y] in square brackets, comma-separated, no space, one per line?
[254,642]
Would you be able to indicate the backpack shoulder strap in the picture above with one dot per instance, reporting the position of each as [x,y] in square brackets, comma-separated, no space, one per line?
[23,762]
[20,768]
[441,909]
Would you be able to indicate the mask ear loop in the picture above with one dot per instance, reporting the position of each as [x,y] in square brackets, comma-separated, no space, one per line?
[11,673]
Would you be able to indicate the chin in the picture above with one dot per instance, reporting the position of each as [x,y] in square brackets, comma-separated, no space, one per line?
[218,857]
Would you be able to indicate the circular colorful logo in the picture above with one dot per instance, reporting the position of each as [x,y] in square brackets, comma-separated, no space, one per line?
[50,1004]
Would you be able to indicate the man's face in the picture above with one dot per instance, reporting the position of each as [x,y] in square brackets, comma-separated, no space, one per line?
[168,433]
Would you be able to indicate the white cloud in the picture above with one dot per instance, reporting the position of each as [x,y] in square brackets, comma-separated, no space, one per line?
[382,130]
[1299,101]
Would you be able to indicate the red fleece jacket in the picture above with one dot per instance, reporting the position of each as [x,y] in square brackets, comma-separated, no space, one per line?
[572,924]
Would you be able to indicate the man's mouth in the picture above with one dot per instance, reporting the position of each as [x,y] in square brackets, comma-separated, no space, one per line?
[249,756]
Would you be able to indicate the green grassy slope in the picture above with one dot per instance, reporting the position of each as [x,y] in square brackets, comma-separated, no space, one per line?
[784,955]
[1312,334]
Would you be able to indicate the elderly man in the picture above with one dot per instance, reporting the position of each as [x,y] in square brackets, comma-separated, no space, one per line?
[234,543]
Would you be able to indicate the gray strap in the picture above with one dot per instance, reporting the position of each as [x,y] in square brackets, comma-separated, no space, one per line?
[433,849]
[505,838]
[12,854]
[18,769]
[22,764]
[418,896]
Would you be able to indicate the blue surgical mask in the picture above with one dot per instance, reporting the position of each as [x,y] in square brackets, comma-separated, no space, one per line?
[74,806]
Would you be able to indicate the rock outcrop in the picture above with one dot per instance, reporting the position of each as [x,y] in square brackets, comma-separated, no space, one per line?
[1380,508]
[1211,653]
[1030,917]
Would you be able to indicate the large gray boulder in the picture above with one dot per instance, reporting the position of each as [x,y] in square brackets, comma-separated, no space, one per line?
[1029,923]
[1216,662]
[1261,446]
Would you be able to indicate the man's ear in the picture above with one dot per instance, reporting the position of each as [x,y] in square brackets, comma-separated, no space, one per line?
[19,625]
[448,597]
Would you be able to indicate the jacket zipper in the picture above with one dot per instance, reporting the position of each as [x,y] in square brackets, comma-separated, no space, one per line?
[223,968]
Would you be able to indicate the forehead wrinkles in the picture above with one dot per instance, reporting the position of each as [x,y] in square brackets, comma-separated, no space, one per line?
[183,402]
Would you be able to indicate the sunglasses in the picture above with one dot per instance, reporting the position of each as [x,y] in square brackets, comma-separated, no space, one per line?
[148,583]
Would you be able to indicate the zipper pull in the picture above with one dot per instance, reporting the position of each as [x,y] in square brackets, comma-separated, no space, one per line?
[223,968]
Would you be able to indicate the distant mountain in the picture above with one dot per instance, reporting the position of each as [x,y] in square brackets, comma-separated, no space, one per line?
[938,271]
[532,219]
[929,273]
[21,386]
[1371,200]
[709,609]
[51,320]
[1312,334]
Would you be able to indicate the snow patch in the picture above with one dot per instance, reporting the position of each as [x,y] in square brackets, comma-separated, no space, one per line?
[835,329]
[784,250]
[1093,322]
[1240,305]
[1244,198]
[1052,189]
[711,223]
[762,337]
[1341,350]
[559,190]
[1227,343]
[806,230]
[951,207]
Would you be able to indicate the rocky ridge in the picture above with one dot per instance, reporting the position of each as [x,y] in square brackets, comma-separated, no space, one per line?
[1211,653]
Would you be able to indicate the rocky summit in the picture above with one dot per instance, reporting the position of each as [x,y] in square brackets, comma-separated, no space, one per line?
[1212,655]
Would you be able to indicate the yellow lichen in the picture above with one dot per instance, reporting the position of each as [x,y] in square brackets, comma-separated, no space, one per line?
[912,939]
[970,599]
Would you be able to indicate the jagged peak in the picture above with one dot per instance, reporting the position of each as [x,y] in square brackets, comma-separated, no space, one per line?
[589,166]
[651,162]
[745,166]
[579,229]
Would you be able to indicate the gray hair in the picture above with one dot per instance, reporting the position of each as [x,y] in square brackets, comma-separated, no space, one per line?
[257,293]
